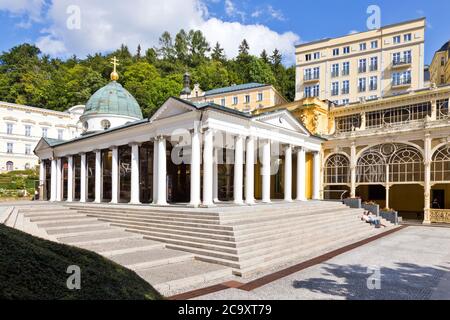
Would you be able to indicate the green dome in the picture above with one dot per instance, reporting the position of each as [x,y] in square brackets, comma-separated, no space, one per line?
[113,99]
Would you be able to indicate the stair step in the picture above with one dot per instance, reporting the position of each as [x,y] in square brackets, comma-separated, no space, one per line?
[122,246]
[150,258]
[96,238]
[187,274]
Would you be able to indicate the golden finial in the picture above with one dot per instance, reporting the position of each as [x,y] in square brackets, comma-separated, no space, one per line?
[114,74]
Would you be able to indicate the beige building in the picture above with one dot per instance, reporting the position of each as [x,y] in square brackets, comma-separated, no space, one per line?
[440,66]
[363,66]
[21,128]
[244,97]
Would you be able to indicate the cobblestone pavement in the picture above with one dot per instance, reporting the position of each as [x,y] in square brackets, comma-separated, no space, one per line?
[413,263]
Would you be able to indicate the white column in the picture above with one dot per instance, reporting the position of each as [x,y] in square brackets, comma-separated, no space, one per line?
[250,171]
[98,176]
[59,184]
[83,179]
[41,180]
[301,174]
[316,176]
[70,179]
[115,175]
[427,180]
[208,164]
[195,168]
[238,169]
[162,172]
[135,199]
[216,176]
[288,174]
[53,183]
[265,171]
[353,171]
[388,186]
[155,171]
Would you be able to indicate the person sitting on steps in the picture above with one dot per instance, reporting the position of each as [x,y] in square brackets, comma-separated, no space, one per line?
[370,218]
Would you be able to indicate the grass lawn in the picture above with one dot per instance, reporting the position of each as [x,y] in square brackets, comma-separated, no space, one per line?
[32,268]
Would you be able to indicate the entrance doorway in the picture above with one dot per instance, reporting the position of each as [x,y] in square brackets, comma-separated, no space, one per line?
[439,196]
[178,178]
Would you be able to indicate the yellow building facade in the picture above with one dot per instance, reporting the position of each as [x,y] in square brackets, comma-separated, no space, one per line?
[440,66]
[362,66]
[245,97]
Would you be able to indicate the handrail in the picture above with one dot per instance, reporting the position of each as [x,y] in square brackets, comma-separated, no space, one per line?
[343,192]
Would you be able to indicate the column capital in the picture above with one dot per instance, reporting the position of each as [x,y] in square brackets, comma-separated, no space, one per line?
[131,144]
[113,147]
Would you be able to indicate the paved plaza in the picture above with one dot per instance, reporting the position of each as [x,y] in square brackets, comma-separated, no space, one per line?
[413,263]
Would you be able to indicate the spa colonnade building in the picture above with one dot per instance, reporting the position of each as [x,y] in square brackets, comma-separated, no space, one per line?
[187,153]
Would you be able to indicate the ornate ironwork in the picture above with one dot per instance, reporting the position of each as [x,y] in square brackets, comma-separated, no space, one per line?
[405,164]
[442,109]
[440,165]
[398,115]
[348,123]
[440,215]
[337,169]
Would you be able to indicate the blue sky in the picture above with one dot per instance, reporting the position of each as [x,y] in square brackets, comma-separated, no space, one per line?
[266,24]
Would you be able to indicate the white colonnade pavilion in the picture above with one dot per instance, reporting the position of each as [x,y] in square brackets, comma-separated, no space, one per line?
[194,154]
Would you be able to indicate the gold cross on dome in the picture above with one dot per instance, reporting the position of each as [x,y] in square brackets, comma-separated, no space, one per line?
[114,62]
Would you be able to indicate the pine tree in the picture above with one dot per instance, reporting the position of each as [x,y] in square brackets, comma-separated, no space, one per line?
[244,48]
[264,57]
[217,53]
[276,58]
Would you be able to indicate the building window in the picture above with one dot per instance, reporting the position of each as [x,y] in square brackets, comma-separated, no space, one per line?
[442,79]
[401,78]
[28,131]
[312,91]
[308,57]
[316,55]
[407,56]
[307,74]
[346,68]
[336,52]
[362,85]
[9,147]
[44,132]
[442,61]
[407,37]
[345,87]
[362,47]
[374,44]
[362,66]
[374,64]
[373,83]
[335,70]
[396,39]
[235,100]
[345,101]
[247,98]
[222,102]
[260,96]
[316,73]
[27,166]
[335,89]
[9,166]
[61,132]
[9,128]
[346,50]
[27,149]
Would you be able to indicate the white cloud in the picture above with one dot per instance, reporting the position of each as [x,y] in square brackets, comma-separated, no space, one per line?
[353,32]
[275,14]
[105,26]
[30,8]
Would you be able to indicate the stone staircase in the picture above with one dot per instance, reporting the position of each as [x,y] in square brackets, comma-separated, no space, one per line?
[247,240]
[168,270]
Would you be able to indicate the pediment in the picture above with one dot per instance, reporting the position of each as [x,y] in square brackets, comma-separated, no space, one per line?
[283,119]
[172,107]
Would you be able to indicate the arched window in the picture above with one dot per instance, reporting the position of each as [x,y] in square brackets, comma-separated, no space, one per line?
[405,164]
[337,169]
[9,166]
[371,168]
[440,165]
